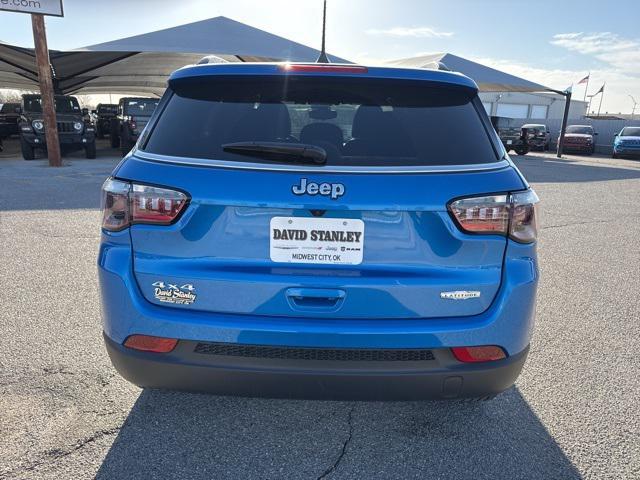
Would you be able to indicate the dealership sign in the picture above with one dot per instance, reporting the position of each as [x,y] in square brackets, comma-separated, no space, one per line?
[43,7]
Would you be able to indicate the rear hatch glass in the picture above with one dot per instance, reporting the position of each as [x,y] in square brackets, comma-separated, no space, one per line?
[356,121]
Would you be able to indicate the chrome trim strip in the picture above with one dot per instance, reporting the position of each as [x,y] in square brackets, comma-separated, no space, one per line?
[202,162]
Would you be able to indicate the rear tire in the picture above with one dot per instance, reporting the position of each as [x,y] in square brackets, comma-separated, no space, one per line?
[28,152]
[90,150]
[114,138]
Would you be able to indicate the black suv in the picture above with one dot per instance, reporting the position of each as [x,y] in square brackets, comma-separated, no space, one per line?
[133,115]
[103,114]
[9,119]
[513,137]
[75,132]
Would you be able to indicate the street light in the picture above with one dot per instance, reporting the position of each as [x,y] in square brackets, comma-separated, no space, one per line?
[633,111]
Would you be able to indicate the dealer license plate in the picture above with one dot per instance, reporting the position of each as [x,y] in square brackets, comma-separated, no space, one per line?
[328,241]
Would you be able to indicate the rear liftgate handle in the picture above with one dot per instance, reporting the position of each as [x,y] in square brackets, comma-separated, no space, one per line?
[315,299]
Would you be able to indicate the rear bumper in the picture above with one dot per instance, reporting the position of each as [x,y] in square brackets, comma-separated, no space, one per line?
[441,377]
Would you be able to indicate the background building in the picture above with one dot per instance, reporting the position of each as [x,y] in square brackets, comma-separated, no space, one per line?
[536,106]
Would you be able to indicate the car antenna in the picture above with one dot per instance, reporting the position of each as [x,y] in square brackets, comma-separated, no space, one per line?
[323,54]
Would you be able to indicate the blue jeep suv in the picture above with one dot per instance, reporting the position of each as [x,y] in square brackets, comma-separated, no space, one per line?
[319,231]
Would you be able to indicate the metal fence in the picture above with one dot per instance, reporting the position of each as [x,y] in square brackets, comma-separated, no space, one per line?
[606,129]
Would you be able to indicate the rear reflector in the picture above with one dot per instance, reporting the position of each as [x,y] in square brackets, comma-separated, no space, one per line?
[488,353]
[147,343]
[324,68]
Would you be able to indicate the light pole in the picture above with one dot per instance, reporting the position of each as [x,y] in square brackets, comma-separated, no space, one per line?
[633,111]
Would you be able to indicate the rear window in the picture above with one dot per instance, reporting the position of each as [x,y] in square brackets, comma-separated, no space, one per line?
[8,107]
[108,109]
[62,104]
[140,106]
[630,132]
[356,121]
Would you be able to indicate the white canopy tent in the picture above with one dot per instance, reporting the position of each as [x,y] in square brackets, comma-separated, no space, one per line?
[488,79]
[142,63]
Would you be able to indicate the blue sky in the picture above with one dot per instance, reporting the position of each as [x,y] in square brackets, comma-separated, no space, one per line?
[552,42]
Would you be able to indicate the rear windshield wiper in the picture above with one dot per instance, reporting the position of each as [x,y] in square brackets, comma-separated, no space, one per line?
[295,152]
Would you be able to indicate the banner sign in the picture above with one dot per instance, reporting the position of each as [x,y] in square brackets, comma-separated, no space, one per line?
[43,7]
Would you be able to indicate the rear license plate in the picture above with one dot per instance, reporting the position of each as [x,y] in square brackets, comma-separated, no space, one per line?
[328,241]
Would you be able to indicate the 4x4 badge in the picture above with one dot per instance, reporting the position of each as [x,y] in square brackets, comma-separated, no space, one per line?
[334,190]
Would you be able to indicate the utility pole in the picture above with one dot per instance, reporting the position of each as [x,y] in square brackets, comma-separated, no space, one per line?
[565,118]
[46,90]
[633,111]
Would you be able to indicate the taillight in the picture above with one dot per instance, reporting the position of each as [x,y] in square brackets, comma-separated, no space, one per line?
[523,225]
[155,205]
[487,353]
[488,214]
[125,203]
[115,205]
[513,214]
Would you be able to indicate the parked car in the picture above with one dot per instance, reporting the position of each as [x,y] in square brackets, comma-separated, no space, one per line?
[580,138]
[540,136]
[75,132]
[103,114]
[290,230]
[132,116]
[513,137]
[9,119]
[627,143]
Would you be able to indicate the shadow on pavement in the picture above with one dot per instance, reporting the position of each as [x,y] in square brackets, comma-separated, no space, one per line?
[538,169]
[33,185]
[178,435]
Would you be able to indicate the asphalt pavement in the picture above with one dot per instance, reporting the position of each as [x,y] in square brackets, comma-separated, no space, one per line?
[66,414]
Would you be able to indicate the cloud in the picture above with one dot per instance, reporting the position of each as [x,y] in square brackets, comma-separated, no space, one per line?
[621,53]
[594,43]
[414,32]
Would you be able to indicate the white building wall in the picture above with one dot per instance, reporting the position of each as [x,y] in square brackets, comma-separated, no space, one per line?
[514,105]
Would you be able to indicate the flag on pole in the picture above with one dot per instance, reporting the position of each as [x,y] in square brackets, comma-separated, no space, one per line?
[584,80]
[599,91]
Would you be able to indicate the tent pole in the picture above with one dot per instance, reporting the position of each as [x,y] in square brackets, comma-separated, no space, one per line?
[565,118]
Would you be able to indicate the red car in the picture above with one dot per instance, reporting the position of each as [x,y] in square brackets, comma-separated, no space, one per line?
[580,138]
